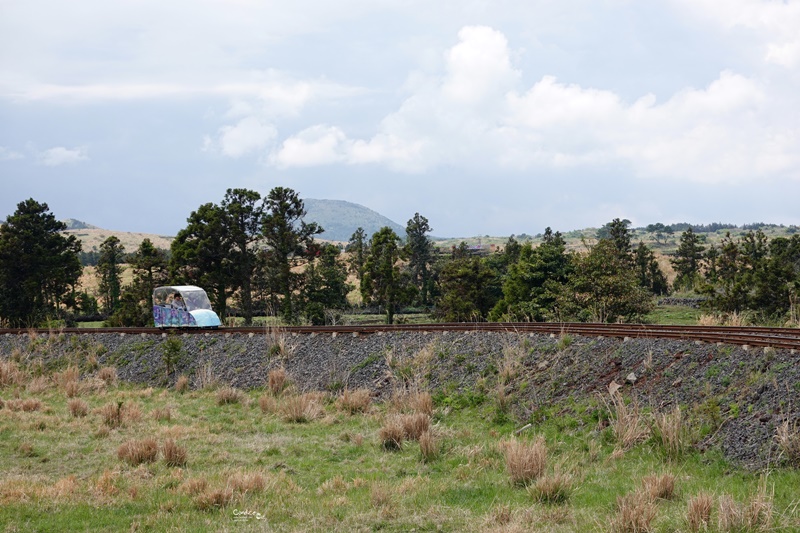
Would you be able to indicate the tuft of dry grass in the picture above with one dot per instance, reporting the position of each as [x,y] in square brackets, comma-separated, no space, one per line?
[788,439]
[72,389]
[247,483]
[659,487]
[162,414]
[182,384]
[392,434]
[10,374]
[136,452]
[755,515]
[413,401]
[698,512]
[670,432]
[268,404]
[37,385]
[205,379]
[300,408]
[109,375]
[111,414]
[194,486]
[174,455]
[230,395]
[357,401]
[277,381]
[78,408]
[429,446]
[28,405]
[635,512]
[66,378]
[213,499]
[627,422]
[525,461]
[414,424]
[552,488]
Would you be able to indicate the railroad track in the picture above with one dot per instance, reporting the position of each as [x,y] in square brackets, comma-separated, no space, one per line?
[783,338]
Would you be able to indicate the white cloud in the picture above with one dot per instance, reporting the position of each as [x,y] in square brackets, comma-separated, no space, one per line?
[776,24]
[248,135]
[473,113]
[7,154]
[318,145]
[62,156]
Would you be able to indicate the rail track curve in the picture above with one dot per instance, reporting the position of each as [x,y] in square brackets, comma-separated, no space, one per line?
[780,338]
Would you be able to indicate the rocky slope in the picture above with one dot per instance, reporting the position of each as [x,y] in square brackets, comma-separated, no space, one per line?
[737,396]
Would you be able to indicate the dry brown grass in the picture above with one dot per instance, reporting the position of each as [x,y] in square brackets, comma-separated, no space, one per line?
[10,374]
[28,405]
[78,408]
[627,422]
[162,414]
[755,515]
[174,455]
[525,461]
[109,375]
[300,408]
[194,486]
[136,452]
[635,512]
[552,488]
[414,424]
[268,404]
[670,431]
[205,378]
[182,384]
[230,395]
[214,499]
[38,385]
[277,381]
[392,434]
[67,377]
[788,439]
[429,446]
[111,413]
[414,401]
[659,487]
[357,401]
[698,512]
[247,482]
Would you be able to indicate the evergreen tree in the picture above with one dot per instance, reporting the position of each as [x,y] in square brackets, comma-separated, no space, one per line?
[39,267]
[383,282]
[419,251]
[201,255]
[245,218]
[687,260]
[466,289]
[288,238]
[650,275]
[325,288]
[358,249]
[109,273]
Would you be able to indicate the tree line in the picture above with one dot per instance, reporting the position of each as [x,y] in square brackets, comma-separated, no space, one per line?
[257,255]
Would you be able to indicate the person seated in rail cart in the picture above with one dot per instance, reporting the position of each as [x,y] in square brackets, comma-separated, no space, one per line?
[183,306]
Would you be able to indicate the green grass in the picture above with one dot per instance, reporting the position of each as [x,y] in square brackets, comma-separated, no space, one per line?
[674,315]
[63,473]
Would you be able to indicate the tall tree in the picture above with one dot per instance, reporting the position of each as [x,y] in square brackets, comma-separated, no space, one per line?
[325,288]
[288,238]
[532,285]
[604,288]
[149,267]
[383,282]
[419,251]
[687,260]
[201,255]
[245,218]
[466,289]
[109,273]
[650,275]
[39,267]
[358,248]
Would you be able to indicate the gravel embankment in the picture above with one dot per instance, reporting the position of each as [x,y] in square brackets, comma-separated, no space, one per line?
[746,393]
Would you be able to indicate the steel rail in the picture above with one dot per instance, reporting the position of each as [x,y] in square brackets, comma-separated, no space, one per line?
[785,338]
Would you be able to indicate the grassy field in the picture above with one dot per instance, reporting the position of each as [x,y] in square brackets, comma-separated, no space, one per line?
[93,454]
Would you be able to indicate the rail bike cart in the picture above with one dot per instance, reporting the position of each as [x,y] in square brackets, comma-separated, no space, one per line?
[183,306]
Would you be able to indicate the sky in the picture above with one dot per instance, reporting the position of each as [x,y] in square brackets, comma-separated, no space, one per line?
[487,117]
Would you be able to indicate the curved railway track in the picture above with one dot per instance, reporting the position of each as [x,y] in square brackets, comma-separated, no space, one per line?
[783,338]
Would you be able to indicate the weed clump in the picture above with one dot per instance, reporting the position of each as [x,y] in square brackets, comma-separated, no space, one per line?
[698,512]
[229,395]
[635,512]
[77,408]
[300,408]
[788,440]
[277,381]
[136,452]
[109,375]
[182,384]
[392,434]
[174,455]
[525,461]
[357,401]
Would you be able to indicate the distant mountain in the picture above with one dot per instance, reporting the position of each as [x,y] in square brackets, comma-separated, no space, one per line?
[77,224]
[341,219]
